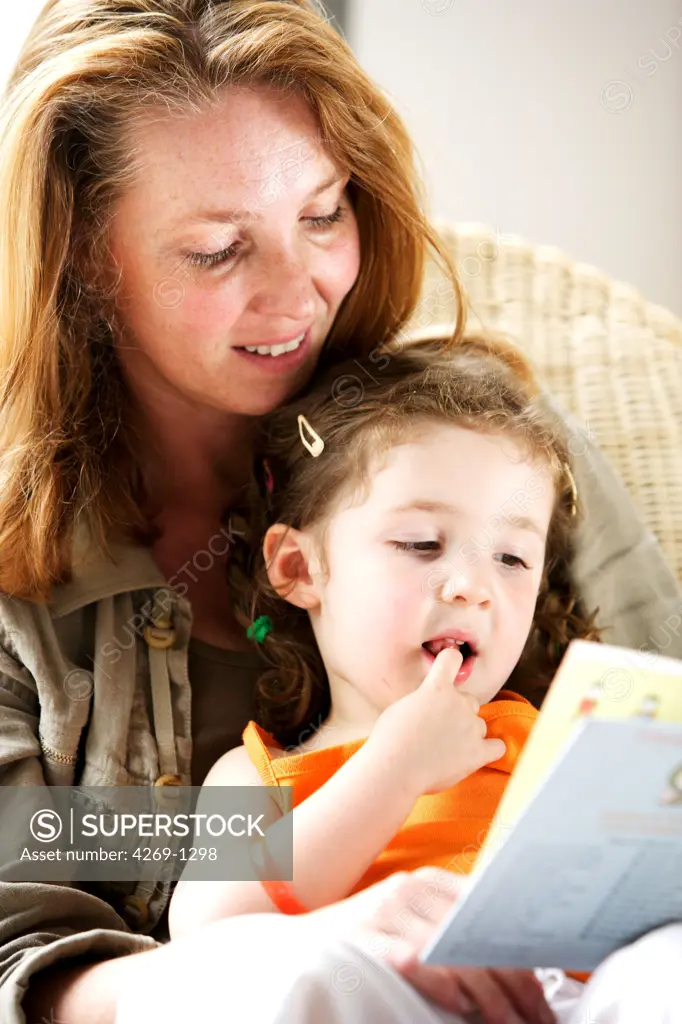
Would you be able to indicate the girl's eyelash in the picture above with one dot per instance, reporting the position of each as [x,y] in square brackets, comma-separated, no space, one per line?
[212,259]
[431,546]
[520,562]
[427,546]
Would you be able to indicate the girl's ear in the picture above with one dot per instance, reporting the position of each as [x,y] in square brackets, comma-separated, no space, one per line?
[292,565]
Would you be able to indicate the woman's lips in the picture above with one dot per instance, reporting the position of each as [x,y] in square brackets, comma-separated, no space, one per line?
[285,363]
[466,668]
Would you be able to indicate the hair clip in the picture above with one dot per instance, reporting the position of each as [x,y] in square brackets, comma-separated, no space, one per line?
[316,447]
[268,478]
[259,629]
[574,489]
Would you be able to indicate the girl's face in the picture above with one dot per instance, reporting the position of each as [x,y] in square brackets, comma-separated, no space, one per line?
[449,543]
[238,232]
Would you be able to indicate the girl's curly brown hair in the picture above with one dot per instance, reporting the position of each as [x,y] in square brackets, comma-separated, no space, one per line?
[361,409]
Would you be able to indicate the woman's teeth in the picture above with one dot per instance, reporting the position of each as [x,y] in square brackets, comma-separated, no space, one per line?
[276,350]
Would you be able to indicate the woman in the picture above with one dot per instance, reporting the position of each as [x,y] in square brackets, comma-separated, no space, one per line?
[183,181]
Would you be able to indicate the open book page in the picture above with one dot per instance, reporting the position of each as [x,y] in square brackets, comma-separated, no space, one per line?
[594,680]
[594,862]
[585,851]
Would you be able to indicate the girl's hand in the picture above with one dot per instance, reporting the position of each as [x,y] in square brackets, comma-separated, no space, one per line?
[435,734]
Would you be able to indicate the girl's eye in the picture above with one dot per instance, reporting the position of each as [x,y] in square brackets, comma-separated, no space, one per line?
[516,562]
[417,545]
[320,223]
[212,259]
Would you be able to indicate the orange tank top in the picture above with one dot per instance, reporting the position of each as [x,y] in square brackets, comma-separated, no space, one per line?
[444,829]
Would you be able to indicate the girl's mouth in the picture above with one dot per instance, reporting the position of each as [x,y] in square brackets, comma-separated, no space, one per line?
[470,656]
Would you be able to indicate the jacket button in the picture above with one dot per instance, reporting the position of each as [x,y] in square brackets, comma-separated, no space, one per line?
[159,637]
[168,780]
[136,911]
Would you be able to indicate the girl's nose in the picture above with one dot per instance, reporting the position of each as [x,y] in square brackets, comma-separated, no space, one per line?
[454,583]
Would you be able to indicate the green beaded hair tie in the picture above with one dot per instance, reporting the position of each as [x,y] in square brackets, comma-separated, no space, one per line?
[259,629]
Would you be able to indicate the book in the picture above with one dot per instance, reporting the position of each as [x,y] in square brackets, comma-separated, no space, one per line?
[585,851]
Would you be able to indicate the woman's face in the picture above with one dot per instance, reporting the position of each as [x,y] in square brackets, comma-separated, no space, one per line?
[238,232]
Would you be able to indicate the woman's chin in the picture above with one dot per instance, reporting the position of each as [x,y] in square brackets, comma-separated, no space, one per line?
[254,398]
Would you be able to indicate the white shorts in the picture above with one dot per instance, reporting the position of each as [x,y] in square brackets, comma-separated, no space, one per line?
[273,975]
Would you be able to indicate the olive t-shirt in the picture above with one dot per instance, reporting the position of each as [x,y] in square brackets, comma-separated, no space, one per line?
[223,684]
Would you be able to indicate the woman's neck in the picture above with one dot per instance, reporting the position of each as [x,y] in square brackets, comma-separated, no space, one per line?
[195,457]
[196,462]
[199,466]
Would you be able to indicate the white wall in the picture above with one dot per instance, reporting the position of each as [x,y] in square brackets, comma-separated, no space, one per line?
[16,23]
[548,118]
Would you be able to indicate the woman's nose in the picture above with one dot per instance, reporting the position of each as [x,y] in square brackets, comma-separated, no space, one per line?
[286,288]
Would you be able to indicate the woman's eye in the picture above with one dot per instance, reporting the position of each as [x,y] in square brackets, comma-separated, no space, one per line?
[417,545]
[320,223]
[212,259]
[513,562]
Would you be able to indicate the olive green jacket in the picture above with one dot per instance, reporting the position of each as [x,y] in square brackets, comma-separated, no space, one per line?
[89,695]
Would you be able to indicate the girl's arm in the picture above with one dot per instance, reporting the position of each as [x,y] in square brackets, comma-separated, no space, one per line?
[425,742]
[338,832]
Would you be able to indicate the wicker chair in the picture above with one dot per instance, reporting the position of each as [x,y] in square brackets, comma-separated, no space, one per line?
[612,358]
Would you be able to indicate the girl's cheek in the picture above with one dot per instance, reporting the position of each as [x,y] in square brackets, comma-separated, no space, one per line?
[402,607]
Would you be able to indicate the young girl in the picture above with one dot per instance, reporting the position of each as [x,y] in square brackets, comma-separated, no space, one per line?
[413,598]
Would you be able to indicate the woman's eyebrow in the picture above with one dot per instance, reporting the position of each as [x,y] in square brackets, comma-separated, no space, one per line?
[250,210]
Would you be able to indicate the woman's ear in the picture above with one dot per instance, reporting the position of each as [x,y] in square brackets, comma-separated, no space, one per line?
[292,565]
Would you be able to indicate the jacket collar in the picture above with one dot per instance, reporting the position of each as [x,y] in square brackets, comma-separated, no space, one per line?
[95,577]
